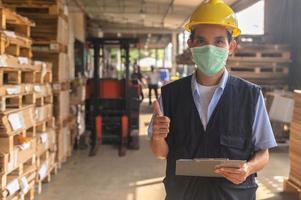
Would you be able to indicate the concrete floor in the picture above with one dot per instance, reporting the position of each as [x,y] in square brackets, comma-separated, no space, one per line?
[138,176]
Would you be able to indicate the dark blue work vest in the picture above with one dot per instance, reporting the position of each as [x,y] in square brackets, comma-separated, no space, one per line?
[228,135]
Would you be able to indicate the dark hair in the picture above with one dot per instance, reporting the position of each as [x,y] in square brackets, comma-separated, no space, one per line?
[229,35]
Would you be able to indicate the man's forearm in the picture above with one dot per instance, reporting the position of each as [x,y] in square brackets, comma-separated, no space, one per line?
[258,161]
[159,148]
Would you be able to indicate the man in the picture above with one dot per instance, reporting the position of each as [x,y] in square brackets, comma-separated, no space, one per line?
[153,84]
[212,114]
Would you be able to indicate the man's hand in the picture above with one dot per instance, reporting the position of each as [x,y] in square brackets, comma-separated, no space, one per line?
[235,175]
[160,123]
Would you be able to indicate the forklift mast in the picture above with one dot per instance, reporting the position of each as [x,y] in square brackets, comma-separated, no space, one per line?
[104,94]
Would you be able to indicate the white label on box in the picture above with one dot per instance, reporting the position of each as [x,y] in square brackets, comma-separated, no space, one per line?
[24,146]
[24,185]
[3,62]
[11,34]
[38,88]
[15,121]
[43,171]
[23,60]
[44,139]
[13,187]
[13,90]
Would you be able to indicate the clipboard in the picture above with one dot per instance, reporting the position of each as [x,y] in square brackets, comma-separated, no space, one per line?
[204,167]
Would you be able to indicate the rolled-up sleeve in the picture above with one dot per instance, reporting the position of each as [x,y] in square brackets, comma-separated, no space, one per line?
[263,136]
[150,126]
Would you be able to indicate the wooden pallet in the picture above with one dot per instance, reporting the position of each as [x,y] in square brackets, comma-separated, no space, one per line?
[14,122]
[15,76]
[13,22]
[12,62]
[49,28]
[46,141]
[43,73]
[34,2]
[6,90]
[15,102]
[15,45]
[11,143]
[49,46]
[60,64]
[43,113]
[46,167]
[30,7]
[25,173]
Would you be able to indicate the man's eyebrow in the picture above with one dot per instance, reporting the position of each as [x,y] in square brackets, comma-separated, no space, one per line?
[220,37]
[200,37]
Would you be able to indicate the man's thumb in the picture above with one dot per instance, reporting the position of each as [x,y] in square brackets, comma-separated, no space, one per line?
[157,109]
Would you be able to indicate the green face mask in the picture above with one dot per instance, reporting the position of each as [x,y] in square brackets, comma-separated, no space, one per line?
[209,59]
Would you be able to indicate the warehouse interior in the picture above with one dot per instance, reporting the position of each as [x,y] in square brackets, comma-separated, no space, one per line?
[74,120]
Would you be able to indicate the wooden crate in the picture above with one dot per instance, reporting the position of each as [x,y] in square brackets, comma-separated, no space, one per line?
[13,22]
[7,90]
[12,123]
[10,103]
[46,141]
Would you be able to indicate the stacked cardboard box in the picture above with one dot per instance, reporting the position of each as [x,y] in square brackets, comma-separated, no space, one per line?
[17,118]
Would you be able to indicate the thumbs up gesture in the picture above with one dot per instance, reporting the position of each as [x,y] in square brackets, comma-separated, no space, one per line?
[160,123]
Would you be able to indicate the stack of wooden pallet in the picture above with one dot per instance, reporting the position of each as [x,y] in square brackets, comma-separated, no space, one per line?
[264,64]
[17,118]
[50,41]
[44,123]
[294,181]
[77,102]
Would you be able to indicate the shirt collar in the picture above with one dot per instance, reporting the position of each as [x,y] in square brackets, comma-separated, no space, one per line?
[221,84]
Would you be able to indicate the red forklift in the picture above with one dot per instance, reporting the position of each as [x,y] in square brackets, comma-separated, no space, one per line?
[112,105]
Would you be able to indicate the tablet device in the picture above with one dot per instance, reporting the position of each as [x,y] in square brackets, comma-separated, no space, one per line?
[204,167]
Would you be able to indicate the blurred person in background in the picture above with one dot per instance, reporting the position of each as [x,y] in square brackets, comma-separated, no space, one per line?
[153,83]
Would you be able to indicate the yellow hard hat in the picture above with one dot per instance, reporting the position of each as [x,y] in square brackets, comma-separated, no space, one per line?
[214,12]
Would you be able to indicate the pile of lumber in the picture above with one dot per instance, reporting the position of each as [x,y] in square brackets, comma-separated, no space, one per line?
[293,183]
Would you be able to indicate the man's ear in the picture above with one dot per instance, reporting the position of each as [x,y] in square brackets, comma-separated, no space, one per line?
[189,43]
[232,47]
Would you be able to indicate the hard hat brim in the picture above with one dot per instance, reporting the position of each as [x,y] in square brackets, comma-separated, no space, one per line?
[235,30]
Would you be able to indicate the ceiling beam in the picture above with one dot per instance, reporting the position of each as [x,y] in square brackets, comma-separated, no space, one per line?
[243,4]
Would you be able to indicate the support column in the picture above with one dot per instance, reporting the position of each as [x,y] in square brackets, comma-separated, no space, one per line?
[174,53]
